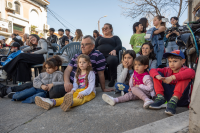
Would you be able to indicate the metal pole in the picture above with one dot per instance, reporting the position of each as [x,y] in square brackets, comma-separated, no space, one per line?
[99,26]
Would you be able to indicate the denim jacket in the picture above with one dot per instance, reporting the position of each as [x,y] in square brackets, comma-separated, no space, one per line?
[154,38]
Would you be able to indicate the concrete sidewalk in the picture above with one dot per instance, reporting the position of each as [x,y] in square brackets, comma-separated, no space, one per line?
[95,116]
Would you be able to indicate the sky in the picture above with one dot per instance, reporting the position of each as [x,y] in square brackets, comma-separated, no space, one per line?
[84,15]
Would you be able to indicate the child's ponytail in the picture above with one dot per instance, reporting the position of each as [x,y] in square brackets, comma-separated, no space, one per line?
[160,19]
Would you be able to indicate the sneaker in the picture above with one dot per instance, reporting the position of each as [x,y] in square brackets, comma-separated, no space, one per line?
[3,89]
[108,99]
[67,102]
[10,95]
[45,103]
[111,83]
[158,103]
[147,103]
[171,107]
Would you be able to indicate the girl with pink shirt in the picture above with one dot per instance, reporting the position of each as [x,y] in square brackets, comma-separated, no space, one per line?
[140,83]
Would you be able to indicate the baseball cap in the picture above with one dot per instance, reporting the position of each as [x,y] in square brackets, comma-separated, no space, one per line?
[2,37]
[175,52]
[15,44]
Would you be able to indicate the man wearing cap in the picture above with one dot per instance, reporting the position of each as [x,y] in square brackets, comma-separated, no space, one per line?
[52,38]
[62,38]
[67,32]
[172,84]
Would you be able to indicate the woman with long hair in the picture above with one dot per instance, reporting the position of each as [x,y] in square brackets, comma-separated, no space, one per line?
[79,35]
[96,34]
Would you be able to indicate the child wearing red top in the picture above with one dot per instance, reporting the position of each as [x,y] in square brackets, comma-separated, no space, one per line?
[173,83]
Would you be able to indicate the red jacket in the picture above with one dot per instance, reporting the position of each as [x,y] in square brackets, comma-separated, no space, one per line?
[183,74]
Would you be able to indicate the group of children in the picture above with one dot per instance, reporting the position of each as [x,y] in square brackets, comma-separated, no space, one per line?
[171,84]
[155,35]
[135,79]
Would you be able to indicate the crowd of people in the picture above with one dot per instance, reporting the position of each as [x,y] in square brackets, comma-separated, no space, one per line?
[140,74]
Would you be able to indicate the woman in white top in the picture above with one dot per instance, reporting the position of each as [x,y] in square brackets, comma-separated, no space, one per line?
[124,71]
[79,35]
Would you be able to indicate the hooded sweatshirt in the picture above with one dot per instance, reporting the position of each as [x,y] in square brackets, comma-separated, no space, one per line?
[44,78]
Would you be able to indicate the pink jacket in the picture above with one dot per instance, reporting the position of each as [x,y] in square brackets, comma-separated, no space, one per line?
[147,86]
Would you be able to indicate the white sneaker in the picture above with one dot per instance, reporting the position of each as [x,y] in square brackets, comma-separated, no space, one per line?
[45,103]
[147,103]
[108,99]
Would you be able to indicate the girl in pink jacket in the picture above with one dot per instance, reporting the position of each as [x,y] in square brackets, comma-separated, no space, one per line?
[141,85]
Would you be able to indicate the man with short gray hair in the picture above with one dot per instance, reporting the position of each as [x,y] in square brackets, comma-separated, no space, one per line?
[98,64]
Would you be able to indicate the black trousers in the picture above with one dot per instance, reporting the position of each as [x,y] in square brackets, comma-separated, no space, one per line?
[112,62]
[22,87]
[20,66]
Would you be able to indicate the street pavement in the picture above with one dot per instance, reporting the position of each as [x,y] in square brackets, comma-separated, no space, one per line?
[95,116]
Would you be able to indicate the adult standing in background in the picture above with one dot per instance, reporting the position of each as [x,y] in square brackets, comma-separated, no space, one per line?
[171,34]
[145,24]
[25,39]
[62,39]
[96,34]
[67,32]
[52,38]
[79,36]
[109,46]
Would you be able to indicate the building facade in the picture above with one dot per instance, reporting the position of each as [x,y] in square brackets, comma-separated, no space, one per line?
[193,7]
[23,16]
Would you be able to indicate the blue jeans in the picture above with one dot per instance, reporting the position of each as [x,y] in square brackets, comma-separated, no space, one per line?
[159,51]
[121,87]
[28,95]
[171,47]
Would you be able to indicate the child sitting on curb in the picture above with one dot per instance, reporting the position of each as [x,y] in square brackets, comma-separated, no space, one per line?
[141,85]
[172,83]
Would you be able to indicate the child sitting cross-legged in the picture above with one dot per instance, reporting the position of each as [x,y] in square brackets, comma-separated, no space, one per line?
[172,83]
[140,83]
[43,82]
[83,88]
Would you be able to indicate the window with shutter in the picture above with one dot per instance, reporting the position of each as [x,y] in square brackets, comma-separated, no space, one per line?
[17,8]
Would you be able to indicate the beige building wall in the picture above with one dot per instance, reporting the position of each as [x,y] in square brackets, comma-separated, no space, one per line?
[192,4]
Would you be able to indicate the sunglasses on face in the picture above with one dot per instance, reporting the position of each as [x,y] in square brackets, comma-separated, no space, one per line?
[104,28]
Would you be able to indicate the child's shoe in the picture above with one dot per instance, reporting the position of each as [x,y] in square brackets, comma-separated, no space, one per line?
[108,99]
[171,106]
[45,103]
[10,95]
[147,103]
[67,102]
[158,103]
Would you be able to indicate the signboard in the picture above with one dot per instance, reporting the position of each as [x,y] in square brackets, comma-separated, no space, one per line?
[4,24]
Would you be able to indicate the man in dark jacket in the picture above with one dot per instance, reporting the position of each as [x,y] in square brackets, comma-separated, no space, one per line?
[62,38]
[52,38]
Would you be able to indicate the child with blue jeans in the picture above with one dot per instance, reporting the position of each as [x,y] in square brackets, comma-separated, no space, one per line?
[157,38]
[124,71]
[172,84]
[43,82]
